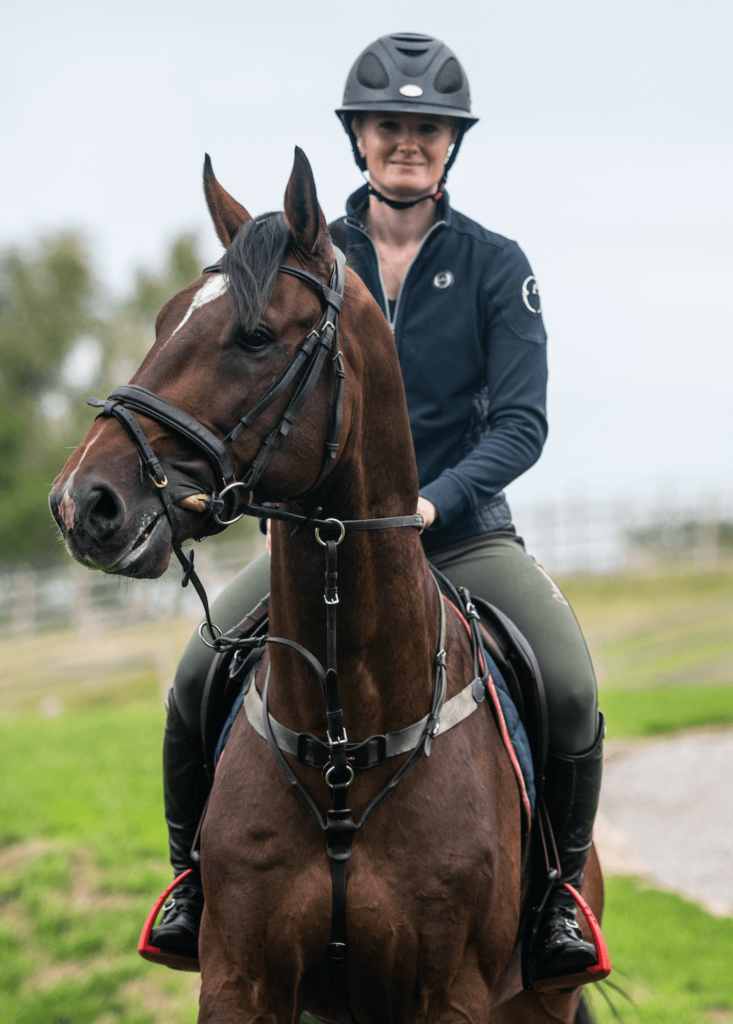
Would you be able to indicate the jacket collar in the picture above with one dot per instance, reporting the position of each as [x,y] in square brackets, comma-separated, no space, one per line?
[358,200]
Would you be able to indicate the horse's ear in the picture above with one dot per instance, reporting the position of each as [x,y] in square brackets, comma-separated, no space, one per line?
[227,214]
[302,212]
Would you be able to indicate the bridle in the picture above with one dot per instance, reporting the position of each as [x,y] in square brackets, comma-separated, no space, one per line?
[311,356]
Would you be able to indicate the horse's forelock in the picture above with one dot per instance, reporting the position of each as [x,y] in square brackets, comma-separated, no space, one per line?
[251,265]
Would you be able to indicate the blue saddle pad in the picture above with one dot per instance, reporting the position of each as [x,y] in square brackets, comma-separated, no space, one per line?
[517,732]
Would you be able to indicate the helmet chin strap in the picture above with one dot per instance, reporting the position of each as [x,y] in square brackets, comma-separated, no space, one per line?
[397,204]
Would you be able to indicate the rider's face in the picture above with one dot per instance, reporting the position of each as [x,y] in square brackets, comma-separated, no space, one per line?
[405,153]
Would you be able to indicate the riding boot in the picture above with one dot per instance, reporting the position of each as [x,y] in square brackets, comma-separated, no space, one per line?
[572,792]
[185,789]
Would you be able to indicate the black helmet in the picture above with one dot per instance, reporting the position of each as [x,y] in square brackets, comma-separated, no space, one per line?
[408,73]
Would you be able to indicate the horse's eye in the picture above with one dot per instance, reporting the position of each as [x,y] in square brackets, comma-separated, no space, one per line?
[255,340]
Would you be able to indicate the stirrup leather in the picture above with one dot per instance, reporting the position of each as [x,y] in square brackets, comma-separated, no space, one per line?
[156,955]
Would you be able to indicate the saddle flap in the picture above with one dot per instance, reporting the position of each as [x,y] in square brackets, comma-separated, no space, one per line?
[517,662]
[224,682]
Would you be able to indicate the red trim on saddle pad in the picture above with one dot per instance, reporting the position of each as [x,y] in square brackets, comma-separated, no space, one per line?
[490,686]
[596,972]
[526,805]
[153,953]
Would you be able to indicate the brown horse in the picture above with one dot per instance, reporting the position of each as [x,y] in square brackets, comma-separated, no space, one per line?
[433,898]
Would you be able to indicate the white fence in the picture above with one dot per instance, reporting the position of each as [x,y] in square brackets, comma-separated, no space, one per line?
[567,538]
[584,537]
[71,597]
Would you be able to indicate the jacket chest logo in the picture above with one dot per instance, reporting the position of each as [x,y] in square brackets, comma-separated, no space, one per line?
[443,280]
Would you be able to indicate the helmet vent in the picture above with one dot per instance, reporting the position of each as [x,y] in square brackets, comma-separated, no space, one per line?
[412,53]
[372,72]
[411,37]
[449,78]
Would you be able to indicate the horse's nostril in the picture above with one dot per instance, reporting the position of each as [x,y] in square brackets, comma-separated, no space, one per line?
[106,509]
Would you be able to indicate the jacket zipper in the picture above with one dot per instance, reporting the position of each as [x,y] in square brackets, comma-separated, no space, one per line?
[424,239]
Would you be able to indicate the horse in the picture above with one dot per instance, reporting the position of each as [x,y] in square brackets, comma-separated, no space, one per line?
[433,896]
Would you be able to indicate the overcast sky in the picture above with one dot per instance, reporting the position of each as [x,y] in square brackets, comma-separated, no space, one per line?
[604,148]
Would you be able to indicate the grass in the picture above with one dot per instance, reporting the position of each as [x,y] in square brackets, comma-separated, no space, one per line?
[672,959]
[647,632]
[662,648]
[82,854]
[665,709]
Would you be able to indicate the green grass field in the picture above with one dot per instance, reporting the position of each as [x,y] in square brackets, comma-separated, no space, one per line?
[82,855]
[82,840]
[662,648]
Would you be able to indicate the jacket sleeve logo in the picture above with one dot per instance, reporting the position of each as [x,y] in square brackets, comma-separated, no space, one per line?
[531,295]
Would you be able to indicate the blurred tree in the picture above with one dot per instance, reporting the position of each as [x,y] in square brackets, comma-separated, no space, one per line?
[44,308]
[55,348]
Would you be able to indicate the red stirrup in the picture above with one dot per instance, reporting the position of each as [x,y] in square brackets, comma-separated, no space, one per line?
[596,972]
[157,956]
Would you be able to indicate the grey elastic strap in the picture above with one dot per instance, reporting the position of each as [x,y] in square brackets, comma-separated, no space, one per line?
[453,713]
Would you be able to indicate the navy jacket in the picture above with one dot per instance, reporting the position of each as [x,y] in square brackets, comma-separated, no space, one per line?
[472,348]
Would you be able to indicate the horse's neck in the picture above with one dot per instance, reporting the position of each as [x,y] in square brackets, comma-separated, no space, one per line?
[388,617]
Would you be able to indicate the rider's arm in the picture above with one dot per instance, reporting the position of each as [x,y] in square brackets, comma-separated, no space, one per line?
[516,381]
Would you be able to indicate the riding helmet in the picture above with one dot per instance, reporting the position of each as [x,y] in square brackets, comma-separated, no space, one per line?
[407,72]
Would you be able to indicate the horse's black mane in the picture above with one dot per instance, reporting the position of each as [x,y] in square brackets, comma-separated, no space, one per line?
[251,264]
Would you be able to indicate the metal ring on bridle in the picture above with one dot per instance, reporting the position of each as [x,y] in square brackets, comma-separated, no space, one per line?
[336,522]
[333,769]
[231,487]
[205,626]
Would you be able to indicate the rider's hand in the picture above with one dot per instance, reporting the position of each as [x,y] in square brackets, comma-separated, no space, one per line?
[427,510]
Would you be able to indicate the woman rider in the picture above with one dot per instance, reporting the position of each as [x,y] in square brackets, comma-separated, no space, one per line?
[464,308]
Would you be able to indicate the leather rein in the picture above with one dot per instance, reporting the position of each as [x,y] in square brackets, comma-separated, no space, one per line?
[334,756]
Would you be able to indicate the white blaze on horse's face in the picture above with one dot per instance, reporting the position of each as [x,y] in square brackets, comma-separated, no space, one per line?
[214,287]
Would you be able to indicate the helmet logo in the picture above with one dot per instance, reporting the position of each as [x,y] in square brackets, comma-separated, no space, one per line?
[411,90]
[443,280]
[531,294]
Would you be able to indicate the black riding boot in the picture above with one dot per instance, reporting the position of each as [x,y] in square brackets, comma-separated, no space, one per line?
[572,791]
[185,789]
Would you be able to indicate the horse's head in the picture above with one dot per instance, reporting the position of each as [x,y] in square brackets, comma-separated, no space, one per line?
[223,343]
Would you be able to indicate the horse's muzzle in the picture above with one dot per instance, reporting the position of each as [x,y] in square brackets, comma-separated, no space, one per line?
[101,533]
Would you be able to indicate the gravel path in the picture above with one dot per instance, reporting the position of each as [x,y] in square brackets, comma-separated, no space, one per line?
[667,814]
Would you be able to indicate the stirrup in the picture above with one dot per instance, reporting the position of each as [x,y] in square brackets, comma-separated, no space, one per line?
[566,982]
[176,961]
